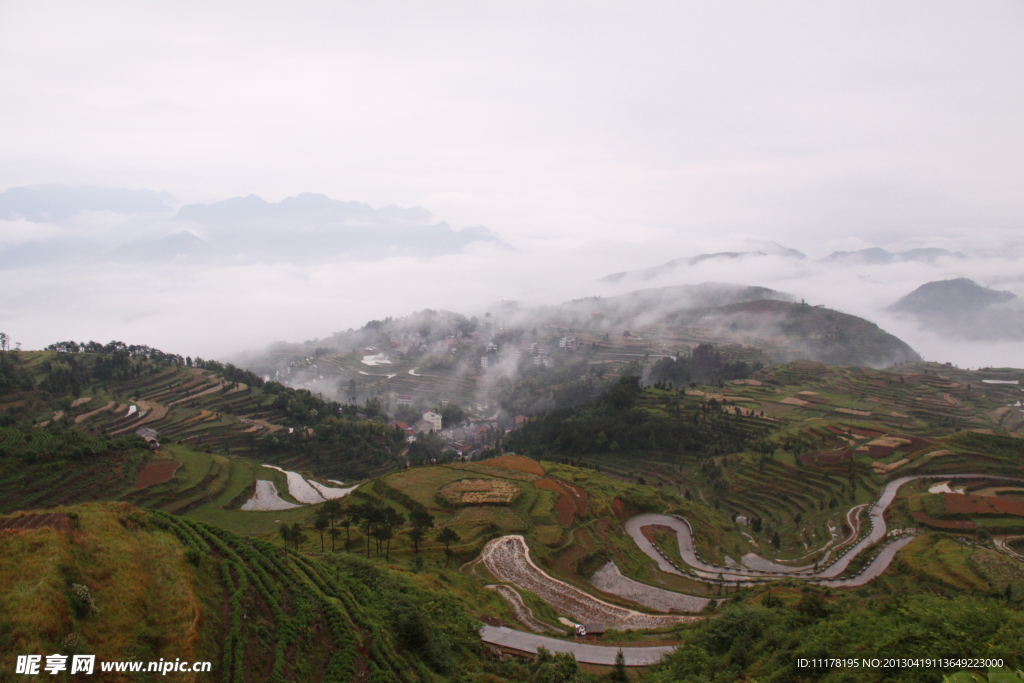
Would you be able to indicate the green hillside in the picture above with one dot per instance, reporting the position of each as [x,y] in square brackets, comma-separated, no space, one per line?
[209,547]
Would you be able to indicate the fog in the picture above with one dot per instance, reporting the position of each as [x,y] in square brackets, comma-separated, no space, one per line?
[588,139]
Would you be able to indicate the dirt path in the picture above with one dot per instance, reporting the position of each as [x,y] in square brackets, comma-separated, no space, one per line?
[763,570]
[610,580]
[216,387]
[85,416]
[508,559]
[156,412]
[584,653]
[523,613]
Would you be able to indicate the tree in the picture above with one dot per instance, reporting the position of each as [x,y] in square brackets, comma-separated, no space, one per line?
[321,525]
[370,516]
[421,521]
[347,522]
[383,533]
[776,541]
[390,520]
[298,536]
[416,535]
[291,534]
[619,675]
[332,510]
[448,536]
[554,668]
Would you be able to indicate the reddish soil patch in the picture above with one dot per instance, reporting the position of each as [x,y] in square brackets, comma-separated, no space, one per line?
[580,497]
[566,510]
[879,452]
[619,510]
[1007,506]
[564,562]
[156,472]
[867,433]
[826,457]
[516,462]
[916,444]
[54,521]
[959,504]
[923,518]
[551,486]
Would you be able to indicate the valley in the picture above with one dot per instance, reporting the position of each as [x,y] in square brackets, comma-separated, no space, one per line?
[647,502]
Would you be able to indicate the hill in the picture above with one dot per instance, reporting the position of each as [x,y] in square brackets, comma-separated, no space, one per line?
[790,331]
[125,584]
[964,309]
[69,417]
[517,358]
[755,518]
[646,274]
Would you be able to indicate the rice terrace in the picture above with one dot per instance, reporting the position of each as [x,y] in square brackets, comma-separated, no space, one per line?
[638,520]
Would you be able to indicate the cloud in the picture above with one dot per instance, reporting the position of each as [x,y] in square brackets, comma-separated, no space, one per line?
[595,138]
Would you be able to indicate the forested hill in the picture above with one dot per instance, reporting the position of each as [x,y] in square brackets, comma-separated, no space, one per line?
[69,395]
[629,419]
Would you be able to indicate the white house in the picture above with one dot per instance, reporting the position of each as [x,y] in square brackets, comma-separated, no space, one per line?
[434,419]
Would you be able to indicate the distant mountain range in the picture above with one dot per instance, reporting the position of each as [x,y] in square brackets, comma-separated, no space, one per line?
[644,274]
[878,256]
[872,256]
[964,309]
[315,227]
[307,228]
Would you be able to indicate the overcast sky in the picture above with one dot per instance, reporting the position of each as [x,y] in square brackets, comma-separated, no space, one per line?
[603,136]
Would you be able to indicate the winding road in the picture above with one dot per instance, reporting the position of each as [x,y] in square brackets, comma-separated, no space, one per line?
[587,654]
[756,569]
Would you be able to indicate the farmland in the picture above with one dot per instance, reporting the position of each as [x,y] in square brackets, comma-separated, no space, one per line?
[765,486]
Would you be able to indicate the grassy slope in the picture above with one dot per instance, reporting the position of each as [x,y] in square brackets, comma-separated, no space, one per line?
[292,617]
[151,602]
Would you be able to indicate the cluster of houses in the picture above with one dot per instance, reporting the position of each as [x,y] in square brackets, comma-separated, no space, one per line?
[467,439]
[414,343]
[541,353]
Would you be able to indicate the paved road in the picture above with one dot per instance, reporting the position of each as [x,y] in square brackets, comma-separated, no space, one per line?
[765,569]
[587,654]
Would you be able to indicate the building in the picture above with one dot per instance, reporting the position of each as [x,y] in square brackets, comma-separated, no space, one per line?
[150,436]
[568,343]
[434,419]
[405,400]
[422,426]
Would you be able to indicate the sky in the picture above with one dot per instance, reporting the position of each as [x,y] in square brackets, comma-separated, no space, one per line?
[592,137]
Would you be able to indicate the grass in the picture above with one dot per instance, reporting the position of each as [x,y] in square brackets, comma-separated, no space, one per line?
[150,600]
[195,465]
[421,483]
[940,559]
[246,522]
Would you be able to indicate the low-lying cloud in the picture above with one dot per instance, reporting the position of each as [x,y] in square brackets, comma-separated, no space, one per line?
[67,280]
